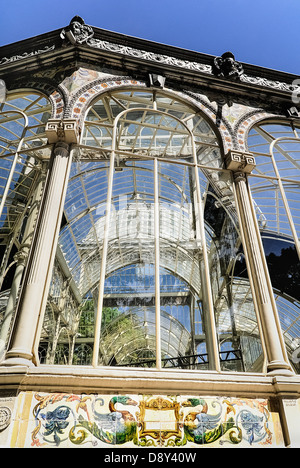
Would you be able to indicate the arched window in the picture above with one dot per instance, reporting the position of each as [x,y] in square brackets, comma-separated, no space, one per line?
[24,153]
[275,188]
[149,252]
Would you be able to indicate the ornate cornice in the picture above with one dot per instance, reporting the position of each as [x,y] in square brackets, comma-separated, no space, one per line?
[26,55]
[82,36]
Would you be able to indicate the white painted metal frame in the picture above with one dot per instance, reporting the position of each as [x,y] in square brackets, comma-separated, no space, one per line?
[282,191]
[278,178]
[212,339]
[16,156]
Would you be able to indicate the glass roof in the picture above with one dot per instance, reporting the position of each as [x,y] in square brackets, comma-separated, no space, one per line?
[275,181]
[143,130]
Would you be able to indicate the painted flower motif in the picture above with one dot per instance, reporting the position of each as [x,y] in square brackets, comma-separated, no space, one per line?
[56,422]
[36,443]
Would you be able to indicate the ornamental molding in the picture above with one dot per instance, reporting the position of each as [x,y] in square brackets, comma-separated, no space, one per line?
[226,67]
[25,55]
[77,31]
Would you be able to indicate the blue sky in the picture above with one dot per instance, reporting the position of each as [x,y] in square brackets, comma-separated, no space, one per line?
[260,32]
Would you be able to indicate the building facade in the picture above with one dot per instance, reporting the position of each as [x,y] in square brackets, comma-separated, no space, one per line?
[150,246]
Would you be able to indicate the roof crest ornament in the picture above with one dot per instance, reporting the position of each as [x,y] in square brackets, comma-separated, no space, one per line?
[77,32]
[227,67]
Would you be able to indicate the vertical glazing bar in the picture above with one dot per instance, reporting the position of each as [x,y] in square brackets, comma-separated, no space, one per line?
[157,263]
[212,343]
[104,251]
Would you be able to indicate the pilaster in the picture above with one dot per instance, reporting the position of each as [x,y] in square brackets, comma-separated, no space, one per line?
[277,363]
[37,276]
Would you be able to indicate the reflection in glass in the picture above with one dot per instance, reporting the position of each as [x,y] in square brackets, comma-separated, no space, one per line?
[142,277]
[238,331]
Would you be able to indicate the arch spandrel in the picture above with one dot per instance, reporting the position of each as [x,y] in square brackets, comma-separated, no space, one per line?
[85,88]
[245,123]
[46,86]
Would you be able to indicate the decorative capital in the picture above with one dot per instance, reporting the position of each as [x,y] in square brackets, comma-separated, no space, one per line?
[62,149]
[62,130]
[77,32]
[227,67]
[238,161]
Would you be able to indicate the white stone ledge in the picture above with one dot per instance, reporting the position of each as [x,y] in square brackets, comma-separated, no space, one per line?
[111,380]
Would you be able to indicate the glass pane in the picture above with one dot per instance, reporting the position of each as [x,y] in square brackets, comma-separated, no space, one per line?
[180,283]
[68,330]
[238,332]
[128,316]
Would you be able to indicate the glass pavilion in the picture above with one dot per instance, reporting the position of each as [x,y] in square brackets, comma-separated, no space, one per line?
[147,241]
[128,285]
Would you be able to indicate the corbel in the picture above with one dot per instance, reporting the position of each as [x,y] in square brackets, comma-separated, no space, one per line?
[156,80]
[240,161]
[66,130]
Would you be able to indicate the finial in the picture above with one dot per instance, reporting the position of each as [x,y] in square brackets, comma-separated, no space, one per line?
[226,66]
[77,32]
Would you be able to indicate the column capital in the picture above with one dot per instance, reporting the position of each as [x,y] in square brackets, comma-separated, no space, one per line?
[65,130]
[61,148]
[240,161]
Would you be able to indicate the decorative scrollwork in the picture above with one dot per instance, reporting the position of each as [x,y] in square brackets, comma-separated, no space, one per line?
[25,55]
[77,32]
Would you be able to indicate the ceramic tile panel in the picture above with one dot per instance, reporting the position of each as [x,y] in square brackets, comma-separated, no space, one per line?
[62,420]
